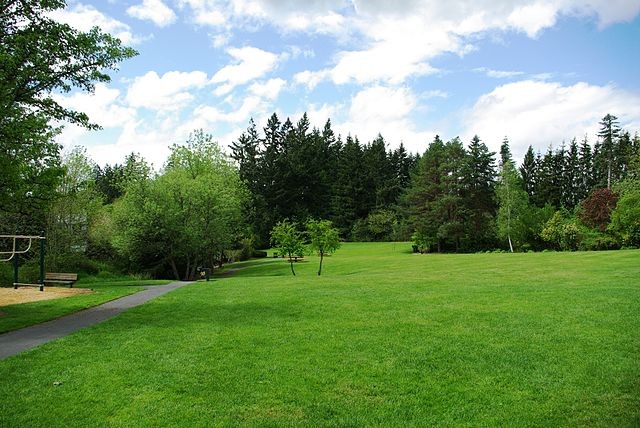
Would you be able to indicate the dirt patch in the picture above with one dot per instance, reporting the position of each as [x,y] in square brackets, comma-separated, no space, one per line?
[11,296]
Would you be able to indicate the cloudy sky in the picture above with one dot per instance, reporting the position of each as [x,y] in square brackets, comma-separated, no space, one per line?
[536,71]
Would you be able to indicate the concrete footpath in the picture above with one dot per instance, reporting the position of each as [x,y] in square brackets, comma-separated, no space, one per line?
[17,341]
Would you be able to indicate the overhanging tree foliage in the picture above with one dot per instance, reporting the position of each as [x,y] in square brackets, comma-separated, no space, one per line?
[38,58]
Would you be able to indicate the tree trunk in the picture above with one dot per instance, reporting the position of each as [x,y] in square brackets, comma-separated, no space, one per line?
[186,271]
[320,268]
[174,268]
[510,246]
[291,264]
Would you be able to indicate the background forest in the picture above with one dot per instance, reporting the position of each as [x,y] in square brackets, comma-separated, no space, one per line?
[205,207]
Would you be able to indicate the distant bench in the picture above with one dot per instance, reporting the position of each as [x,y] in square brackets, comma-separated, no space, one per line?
[291,259]
[60,278]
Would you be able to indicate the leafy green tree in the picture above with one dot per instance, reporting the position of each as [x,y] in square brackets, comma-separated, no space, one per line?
[288,240]
[325,239]
[72,211]
[513,204]
[38,58]
[381,225]
[625,218]
[186,216]
[561,232]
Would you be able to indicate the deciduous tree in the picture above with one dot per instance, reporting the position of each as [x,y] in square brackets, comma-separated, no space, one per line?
[288,240]
[324,238]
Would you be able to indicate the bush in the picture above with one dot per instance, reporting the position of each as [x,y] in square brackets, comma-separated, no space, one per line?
[360,231]
[259,254]
[561,233]
[76,263]
[592,240]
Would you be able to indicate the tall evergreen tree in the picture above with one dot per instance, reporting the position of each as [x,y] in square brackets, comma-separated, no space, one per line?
[549,186]
[585,166]
[349,189]
[571,177]
[609,133]
[529,173]
[425,189]
[505,152]
[478,184]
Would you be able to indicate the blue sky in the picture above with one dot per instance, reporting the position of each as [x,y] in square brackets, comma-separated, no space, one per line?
[539,72]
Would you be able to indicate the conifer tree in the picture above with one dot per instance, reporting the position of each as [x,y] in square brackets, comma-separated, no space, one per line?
[585,162]
[609,133]
[478,192]
[529,173]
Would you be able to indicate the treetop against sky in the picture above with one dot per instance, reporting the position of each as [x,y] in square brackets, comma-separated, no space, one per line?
[539,72]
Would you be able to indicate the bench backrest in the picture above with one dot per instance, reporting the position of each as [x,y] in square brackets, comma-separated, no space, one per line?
[61,276]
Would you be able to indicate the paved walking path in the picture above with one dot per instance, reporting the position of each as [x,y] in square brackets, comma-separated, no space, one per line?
[17,341]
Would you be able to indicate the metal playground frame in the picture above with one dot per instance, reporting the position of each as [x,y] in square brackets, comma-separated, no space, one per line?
[6,256]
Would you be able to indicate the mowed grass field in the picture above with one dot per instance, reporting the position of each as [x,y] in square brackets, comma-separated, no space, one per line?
[383,338]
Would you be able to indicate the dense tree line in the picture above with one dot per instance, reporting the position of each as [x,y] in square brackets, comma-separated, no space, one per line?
[296,172]
[452,197]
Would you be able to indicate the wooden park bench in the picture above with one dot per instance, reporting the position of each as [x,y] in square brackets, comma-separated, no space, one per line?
[295,258]
[60,278]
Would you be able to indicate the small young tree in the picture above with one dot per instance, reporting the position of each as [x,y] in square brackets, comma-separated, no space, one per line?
[324,238]
[512,204]
[288,240]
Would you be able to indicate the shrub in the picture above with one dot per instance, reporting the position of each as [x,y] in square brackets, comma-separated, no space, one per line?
[596,209]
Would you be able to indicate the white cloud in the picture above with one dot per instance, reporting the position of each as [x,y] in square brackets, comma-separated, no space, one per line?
[84,18]
[210,13]
[310,79]
[207,117]
[104,106]
[386,111]
[394,41]
[169,92]
[532,18]
[498,74]
[153,10]
[269,89]
[540,113]
[249,63]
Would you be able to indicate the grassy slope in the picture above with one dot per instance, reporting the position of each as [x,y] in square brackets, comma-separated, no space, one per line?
[22,315]
[382,338]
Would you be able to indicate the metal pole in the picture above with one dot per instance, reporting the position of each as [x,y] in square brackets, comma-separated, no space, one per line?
[15,271]
[42,250]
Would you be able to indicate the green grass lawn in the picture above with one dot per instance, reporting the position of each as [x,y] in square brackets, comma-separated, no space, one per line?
[383,338]
[18,316]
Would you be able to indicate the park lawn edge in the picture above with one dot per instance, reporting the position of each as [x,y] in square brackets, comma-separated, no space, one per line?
[21,315]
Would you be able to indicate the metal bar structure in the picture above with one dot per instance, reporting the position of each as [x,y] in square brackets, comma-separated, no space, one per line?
[16,251]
